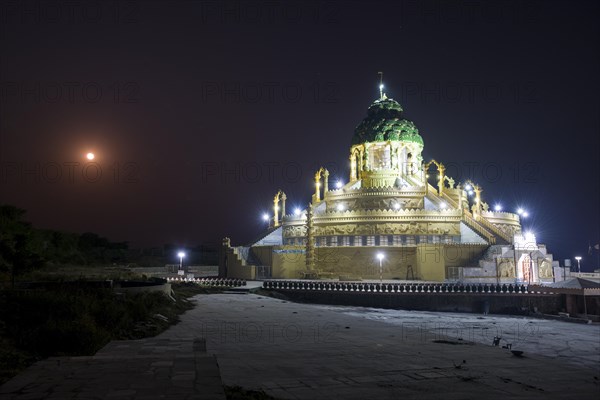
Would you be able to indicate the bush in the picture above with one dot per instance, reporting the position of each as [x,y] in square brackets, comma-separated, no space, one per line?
[74,319]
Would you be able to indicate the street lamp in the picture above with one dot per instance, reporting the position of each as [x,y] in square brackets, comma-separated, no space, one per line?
[181,254]
[380,256]
[578,264]
[523,214]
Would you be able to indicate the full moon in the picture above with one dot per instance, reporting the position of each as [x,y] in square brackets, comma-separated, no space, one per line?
[90,156]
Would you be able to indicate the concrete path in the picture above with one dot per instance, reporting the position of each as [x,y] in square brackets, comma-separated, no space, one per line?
[305,351]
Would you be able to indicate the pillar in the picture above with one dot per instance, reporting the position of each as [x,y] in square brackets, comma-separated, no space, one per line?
[478,191]
[283,197]
[361,157]
[325,183]
[310,240]
[317,196]
[441,171]
[276,210]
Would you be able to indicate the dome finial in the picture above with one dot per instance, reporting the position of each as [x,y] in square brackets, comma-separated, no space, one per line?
[381,86]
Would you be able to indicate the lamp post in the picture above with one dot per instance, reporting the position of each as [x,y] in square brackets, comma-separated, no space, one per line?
[380,256]
[181,254]
[578,264]
[523,214]
[578,258]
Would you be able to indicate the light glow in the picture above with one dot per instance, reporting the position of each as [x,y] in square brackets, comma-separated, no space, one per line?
[497,207]
[380,256]
[396,206]
[443,205]
[529,236]
[297,211]
[340,207]
[90,156]
[339,184]
[181,254]
[265,217]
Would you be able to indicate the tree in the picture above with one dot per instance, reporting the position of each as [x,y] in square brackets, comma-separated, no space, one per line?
[17,249]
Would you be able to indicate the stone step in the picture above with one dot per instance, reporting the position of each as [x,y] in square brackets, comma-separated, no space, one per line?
[133,370]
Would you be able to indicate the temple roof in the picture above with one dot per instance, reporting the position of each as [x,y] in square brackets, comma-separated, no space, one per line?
[384,122]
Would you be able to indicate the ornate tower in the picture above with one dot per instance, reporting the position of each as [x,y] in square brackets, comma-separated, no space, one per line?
[386,147]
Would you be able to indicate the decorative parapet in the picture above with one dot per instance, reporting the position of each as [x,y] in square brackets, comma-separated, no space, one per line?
[411,191]
[360,288]
[379,179]
[380,222]
[389,216]
[507,223]
[495,229]
[501,217]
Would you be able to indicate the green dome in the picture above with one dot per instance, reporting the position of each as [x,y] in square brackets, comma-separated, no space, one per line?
[384,122]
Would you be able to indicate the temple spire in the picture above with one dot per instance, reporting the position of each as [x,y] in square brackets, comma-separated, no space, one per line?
[380,85]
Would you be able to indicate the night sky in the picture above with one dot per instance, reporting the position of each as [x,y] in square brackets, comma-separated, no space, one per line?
[200,111]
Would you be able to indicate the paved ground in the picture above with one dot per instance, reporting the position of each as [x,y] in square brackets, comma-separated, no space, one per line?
[148,369]
[304,351]
[572,343]
[309,351]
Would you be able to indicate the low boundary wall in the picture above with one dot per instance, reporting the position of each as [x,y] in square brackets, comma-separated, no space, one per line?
[496,299]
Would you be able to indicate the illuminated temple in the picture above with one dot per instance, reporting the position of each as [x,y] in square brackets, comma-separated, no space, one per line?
[397,217]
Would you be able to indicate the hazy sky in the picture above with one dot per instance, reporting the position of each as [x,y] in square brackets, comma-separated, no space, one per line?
[200,111]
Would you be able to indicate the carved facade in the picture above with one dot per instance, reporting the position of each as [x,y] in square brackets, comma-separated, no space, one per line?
[394,202]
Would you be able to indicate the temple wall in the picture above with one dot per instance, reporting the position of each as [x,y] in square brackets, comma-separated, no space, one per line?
[426,262]
[235,269]
[262,254]
[361,262]
[458,255]
[431,262]
[288,262]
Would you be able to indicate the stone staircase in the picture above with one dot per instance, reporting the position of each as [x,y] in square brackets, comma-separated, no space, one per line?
[478,228]
[501,237]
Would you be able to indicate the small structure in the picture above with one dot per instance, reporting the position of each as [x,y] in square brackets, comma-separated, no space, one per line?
[582,296]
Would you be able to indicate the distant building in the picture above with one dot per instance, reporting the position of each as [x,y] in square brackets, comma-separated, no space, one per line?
[422,231]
